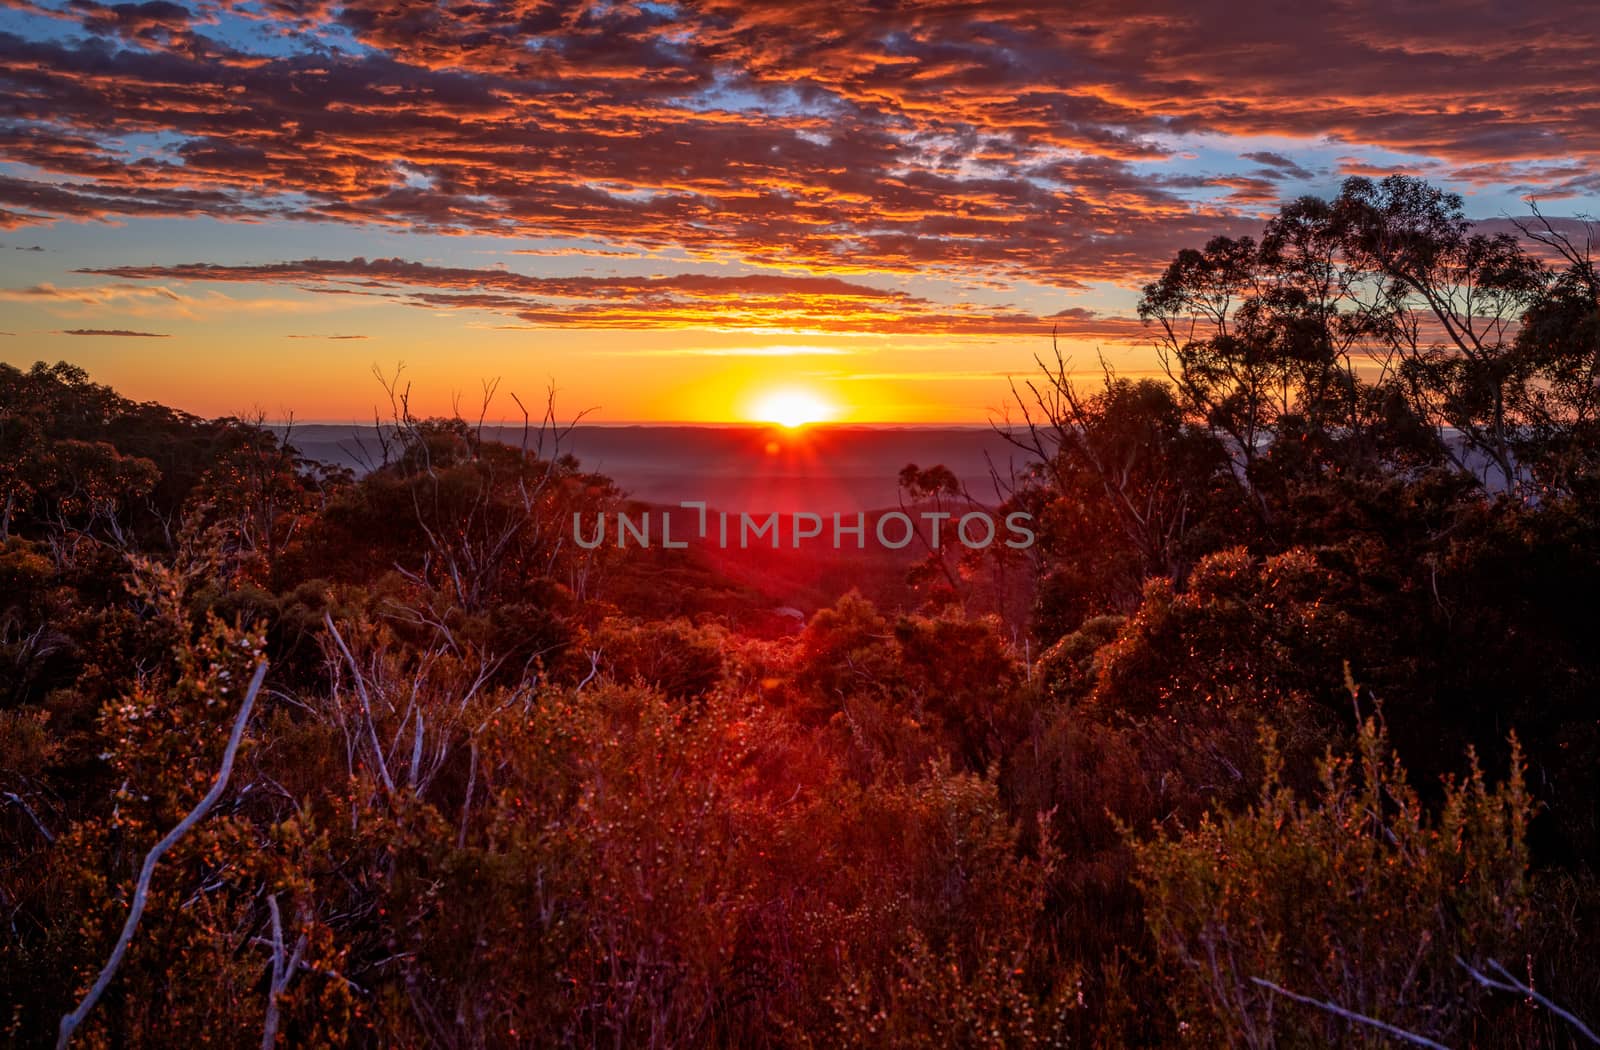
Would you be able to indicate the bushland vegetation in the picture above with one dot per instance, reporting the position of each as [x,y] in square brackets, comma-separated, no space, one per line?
[1286,733]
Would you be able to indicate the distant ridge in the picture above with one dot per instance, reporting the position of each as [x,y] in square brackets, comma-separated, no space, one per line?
[829,468]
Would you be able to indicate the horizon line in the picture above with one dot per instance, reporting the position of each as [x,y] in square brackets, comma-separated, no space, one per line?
[700,423]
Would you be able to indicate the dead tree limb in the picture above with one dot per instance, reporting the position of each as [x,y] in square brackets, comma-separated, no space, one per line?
[1512,984]
[285,964]
[22,804]
[141,890]
[1351,1015]
[366,702]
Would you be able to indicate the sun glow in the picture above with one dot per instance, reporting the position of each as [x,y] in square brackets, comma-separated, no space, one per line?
[791,408]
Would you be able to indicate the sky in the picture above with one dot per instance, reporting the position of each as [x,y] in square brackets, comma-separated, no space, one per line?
[697,211]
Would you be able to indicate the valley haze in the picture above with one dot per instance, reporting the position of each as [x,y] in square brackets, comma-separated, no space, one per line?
[822,468]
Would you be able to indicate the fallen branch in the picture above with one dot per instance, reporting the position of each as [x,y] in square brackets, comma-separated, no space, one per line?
[141,891]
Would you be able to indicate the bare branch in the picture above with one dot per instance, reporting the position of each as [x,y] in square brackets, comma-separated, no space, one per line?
[22,804]
[366,702]
[1512,984]
[1351,1015]
[141,891]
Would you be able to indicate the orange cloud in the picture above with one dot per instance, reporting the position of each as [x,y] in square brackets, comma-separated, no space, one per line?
[752,301]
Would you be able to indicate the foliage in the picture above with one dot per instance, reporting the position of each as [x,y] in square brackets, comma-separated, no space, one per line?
[504,791]
[1360,898]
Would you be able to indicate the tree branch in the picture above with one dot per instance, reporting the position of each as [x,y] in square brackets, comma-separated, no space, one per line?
[1512,984]
[141,892]
[1351,1015]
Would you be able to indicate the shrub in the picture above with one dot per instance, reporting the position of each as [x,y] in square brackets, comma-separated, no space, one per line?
[1359,899]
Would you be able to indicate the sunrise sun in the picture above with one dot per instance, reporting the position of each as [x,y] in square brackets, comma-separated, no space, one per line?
[791,408]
